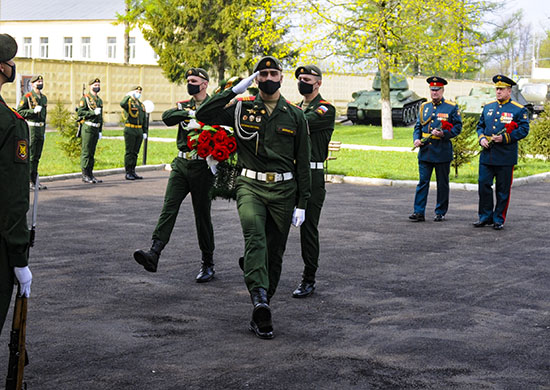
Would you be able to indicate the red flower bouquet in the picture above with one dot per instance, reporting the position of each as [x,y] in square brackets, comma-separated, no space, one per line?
[214,143]
[510,127]
[446,125]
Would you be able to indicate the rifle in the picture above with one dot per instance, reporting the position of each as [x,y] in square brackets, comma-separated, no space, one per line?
[18,354]
[80,121]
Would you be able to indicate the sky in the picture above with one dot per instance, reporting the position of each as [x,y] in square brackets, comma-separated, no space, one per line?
[536,12]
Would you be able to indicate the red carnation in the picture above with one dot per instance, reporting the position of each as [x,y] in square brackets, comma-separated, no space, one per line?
[446,125]
[231,144]
[204,150]
[219,136]
[205,137]
[511,127]
[220,153]
[191,143]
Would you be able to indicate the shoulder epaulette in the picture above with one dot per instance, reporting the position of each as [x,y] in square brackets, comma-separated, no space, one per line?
[293,104]
[516,104]
[325,102]
[423,104]
[450,102]
[246,99]
[184,101]
[491,102]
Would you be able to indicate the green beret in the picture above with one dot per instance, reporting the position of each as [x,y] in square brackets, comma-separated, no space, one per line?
[8,47]
[199,72]
[268,62]
[137,88]
[36,78]
[94,80]
[308,69]
[502,81]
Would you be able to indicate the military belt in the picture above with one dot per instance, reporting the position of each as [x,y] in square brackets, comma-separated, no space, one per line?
[316,165]
[92,124]
[268,177]
[36,124]
[187,156]
[428,134]
[133,126]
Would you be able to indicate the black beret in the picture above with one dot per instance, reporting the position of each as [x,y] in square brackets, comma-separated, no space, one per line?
[199,72]
[268,62]
[436,82]
[36,78]
[308,69]
[8,47]
[503,81]
[94,80]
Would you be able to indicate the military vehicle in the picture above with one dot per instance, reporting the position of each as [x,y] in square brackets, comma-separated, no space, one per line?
[536,94]
[366,107]
[479,96]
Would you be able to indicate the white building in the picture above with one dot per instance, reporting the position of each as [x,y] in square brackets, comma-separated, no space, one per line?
[72,30]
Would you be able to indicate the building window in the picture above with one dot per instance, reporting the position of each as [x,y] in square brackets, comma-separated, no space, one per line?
[111,47]
[27,47]
[68,47]
[132,47]
[86,48]
[43,47]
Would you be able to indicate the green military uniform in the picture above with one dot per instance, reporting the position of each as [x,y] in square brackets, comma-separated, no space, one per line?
[320,116]
[134,127]
[187,176]
[14,200]
[37,125]
[274,151]
[90,131]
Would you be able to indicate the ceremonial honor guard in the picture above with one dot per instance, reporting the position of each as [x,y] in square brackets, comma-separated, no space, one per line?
[320,115]
[90,110]
[274,185]
[438,121]
[14,189]
[190,174]
[502,124]
[134,127]
[33,107]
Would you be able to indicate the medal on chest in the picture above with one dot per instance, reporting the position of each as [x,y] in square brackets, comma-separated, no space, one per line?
[506,117]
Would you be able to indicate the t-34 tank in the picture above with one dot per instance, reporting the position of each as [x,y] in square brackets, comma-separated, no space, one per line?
[366,107]
[479,96]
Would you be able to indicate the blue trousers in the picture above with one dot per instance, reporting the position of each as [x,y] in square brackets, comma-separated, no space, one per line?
[503,176]
[425,170]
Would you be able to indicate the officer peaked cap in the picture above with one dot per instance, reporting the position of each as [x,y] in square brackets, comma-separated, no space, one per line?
[268,62]
[436,82]
[36,78]
[503,81]
[94,80]
[199,72]
[308,69]
[8,47]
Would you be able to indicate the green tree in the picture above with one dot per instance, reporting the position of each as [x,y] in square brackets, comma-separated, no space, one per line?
[217,35]
[465,145]
[538,140]
[65,123]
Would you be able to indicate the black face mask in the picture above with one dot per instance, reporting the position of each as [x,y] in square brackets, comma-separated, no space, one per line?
[193,89]
[269,87]
[96,89]
[12,77]
[305,88]
[39,86]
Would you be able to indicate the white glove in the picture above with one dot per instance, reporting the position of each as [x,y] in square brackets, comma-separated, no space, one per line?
[100,135]
[244,84]
[97,111]
[212,164]
[144,135]
[193,124]
[191,113]
[24,276]
[298,217]
[37,109]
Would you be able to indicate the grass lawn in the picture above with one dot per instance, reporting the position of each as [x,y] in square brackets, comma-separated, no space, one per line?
[375,164]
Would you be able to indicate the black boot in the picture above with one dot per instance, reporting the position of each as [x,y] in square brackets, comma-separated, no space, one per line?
[129,175]
[86,177]
[136,176]
[150,259]
[261,323]
[207,269]
[94,179]
[305,289]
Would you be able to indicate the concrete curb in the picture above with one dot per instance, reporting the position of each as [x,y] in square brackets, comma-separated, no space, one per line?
[105,172]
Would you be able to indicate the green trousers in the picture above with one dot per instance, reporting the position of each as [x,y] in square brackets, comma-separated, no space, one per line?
[90,136]
[309,233]
[265,211]
[188,176]
[132,140]
[37,144]
[6,283]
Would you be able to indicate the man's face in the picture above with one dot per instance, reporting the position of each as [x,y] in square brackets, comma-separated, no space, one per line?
[7,70]
[310,79]
[503,93]
[95,85]
[436,94]
[269,74]
[196,80]
[37,83]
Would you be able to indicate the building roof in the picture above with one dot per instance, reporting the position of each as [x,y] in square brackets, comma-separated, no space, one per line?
[25,10]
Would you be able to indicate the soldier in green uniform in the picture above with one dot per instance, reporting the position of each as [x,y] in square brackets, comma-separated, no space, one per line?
[14,189]
[33,107]
[190,174]
[320,116]
[90,109]
[274,186]
[134,128]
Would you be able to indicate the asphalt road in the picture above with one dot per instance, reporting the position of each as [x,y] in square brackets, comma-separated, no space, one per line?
[398,305]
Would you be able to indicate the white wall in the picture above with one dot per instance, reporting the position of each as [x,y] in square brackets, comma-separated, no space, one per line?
[98,31]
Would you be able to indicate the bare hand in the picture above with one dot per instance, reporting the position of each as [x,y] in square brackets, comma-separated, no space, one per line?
[497,138]
[437,133]
[418,143]
[484,143]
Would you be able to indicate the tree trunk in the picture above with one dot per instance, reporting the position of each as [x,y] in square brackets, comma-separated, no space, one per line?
[387,126]
[127,37]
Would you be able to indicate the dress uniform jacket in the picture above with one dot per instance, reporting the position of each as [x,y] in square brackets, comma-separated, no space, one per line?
[437,150]
[179,116]
[492,121]
[91,127]
[134,127]
[320,116]
[37,125]
[135,115]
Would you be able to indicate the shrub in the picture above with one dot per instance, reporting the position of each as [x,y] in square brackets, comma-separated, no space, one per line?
[66,124]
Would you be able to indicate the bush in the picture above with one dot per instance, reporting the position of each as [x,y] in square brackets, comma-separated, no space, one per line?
[538,140]
[465,145]
[66,124]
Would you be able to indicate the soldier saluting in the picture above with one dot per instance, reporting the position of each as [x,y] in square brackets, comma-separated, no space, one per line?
[33,107]
[90,109]
[134,127]
[274,186]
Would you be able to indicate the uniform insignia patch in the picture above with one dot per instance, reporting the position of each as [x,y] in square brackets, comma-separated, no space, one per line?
[321,110]
[490,112]
[21,150]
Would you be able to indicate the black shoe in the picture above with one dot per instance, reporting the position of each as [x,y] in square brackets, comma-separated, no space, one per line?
[241,263]
[136,176]
[498,226]
[479,224]
[150,259]
[305,289]
[129,176]
[87,179]
[206,273]
[261,323]
[439,218]
[94,179]
[415,217]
